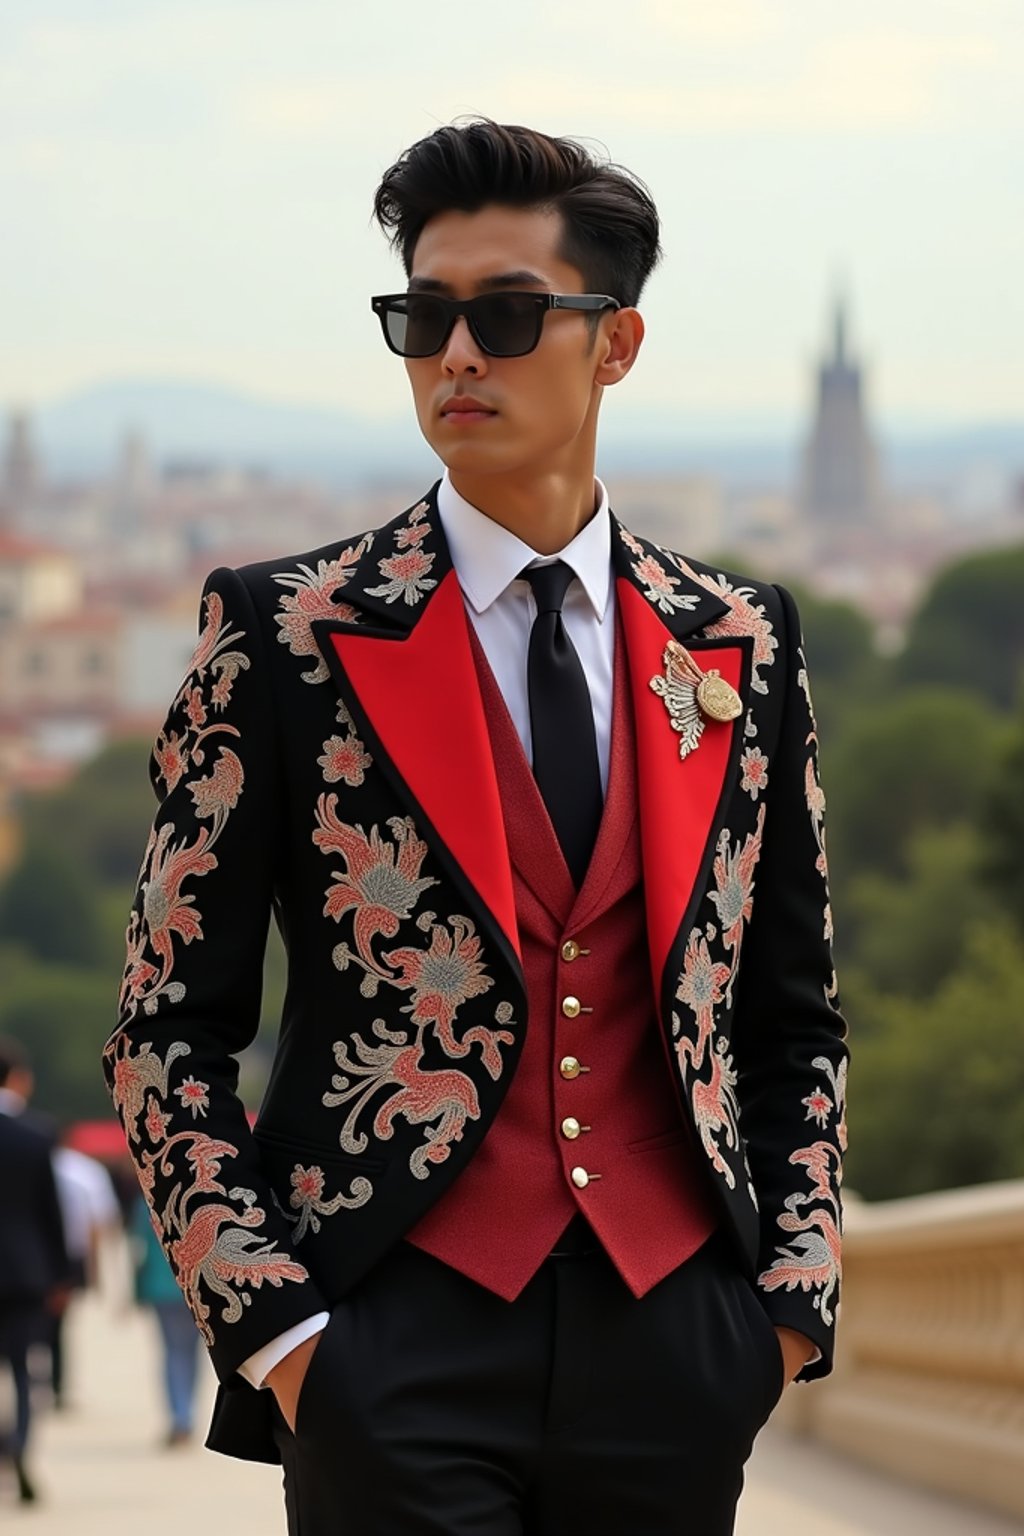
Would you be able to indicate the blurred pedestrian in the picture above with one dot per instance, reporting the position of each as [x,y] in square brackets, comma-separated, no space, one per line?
[89,1209]
[34,1270]
[156,1287]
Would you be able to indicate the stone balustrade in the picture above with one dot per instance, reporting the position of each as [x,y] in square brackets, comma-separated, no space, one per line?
[929,1378]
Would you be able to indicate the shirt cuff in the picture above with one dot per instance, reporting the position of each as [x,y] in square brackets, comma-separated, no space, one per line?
[259,1366]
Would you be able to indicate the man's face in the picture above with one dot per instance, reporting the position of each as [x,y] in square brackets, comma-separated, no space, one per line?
[538,408]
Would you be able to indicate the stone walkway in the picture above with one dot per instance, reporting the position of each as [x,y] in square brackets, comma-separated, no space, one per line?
[101,1470]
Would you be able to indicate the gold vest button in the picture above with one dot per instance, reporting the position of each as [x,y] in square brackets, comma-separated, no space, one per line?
[569,1066]
[570,1127]
[571,1007]
[580,1177]
[570,950]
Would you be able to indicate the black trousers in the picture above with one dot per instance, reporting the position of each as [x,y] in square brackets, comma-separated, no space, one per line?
[434,1408]
[22,1324]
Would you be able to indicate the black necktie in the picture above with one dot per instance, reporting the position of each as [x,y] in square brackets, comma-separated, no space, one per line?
[565,762]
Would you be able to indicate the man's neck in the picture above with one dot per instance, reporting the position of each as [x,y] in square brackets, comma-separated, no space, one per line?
[546,511]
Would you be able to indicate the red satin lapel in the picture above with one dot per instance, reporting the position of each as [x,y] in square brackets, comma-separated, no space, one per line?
[678,797]
[422,697]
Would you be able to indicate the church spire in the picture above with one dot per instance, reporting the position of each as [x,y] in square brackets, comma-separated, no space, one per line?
[839,330]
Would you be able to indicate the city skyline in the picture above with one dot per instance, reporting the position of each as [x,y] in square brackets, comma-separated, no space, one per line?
[187,190]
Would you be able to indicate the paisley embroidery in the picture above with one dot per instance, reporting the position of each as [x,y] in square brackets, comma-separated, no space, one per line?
[313,596]
[213,1246]
[381,886]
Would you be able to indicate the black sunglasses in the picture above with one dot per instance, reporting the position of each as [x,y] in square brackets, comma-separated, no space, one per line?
[503,324]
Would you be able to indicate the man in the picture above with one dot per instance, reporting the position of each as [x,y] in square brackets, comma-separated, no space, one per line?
[541,1211]
[89,1211]
[34,1269]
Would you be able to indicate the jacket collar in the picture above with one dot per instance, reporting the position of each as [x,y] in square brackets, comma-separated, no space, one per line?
[402,566]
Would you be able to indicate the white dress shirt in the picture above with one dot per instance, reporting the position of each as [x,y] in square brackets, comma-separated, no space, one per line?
[487,560]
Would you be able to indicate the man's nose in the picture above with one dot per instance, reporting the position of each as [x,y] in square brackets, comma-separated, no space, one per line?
[461,353]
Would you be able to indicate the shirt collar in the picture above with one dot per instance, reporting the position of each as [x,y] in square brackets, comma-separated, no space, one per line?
[11,1103]
[487,557]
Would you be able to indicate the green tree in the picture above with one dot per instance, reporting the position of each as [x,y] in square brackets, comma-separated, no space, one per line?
[46,905]
[917,760]
[1002,824]
[907,934]
[845,668]
[937,1086]
[62,1015]
[101,818]
[969,631]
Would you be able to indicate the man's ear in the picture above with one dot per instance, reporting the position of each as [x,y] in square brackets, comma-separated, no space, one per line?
[618,345]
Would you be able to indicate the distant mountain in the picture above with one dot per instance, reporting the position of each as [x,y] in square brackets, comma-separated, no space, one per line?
[81,434]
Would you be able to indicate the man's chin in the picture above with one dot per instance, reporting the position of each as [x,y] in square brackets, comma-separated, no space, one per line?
[474,458]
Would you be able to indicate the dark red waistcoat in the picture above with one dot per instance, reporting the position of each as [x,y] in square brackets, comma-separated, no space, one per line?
[594,1055]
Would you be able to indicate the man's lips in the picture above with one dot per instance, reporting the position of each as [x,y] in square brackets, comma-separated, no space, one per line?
[465,408]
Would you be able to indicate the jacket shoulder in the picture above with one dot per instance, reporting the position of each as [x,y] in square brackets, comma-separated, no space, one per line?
[328,566]
[733,587]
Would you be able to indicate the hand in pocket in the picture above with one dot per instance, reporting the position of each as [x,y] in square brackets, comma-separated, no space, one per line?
[288,1375]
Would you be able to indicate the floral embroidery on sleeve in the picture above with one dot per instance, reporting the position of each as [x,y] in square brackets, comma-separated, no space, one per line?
[163,911]
[810,1259]
[214,1245]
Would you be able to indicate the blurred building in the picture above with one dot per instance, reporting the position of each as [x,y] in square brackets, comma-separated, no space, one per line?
[841,483]
[682,512]
[22,471]
[37,581]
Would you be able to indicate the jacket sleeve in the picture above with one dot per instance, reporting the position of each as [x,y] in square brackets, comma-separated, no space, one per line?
[790,1038]
[190,997]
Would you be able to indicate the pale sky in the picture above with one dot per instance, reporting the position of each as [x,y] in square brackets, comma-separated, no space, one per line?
[185,187]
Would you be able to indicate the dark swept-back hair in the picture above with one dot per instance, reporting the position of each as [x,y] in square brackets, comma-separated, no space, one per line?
[609,217]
